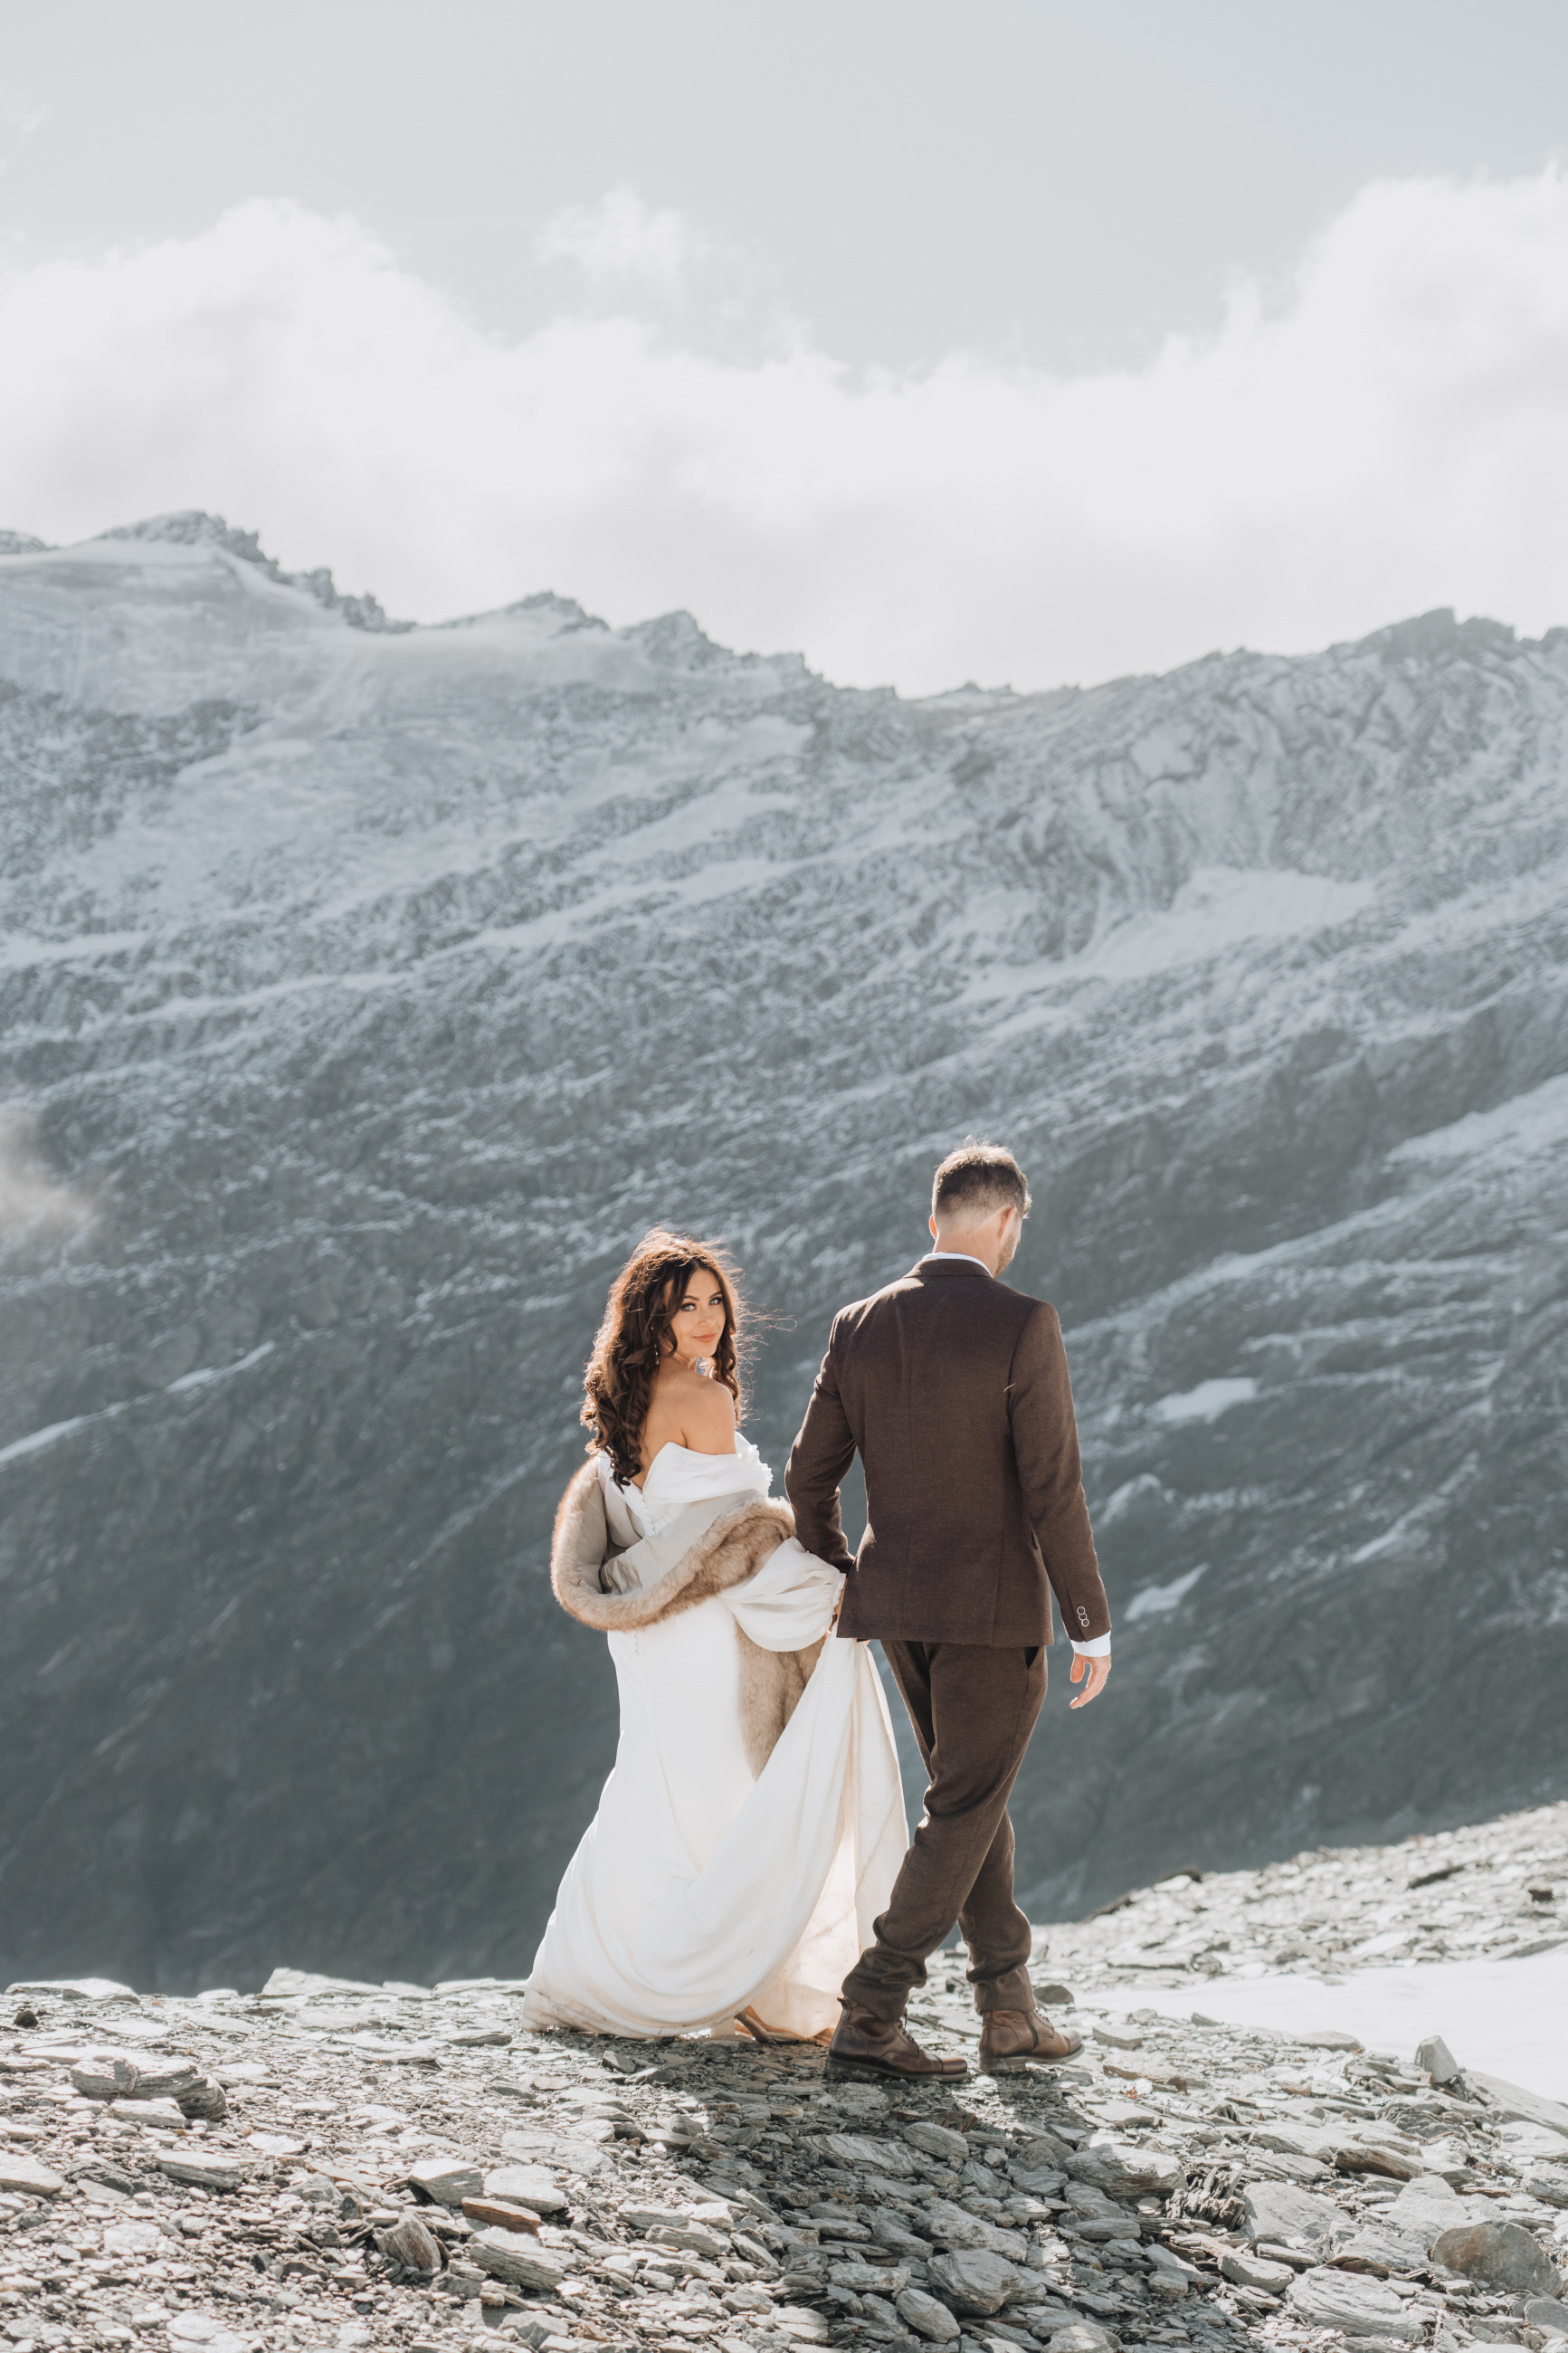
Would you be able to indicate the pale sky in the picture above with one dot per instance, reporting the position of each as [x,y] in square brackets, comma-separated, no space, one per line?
[1034,341]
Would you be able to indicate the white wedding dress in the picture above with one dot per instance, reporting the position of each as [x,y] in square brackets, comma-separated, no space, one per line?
[699,1890]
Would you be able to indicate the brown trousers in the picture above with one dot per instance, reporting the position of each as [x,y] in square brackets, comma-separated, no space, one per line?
[972,1709]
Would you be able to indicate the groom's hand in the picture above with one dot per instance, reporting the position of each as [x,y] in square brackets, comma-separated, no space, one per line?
[1097,1669]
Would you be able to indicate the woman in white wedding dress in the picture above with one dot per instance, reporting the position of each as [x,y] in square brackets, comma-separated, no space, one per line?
[753,1823]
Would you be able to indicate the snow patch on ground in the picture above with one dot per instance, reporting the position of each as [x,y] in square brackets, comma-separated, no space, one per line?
[1218,907]
[1506,2017]
[1536,1120]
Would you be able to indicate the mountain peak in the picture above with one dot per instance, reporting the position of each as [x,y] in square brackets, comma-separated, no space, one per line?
[194,527]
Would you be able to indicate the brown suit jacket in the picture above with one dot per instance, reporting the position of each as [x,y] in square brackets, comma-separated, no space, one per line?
[954,1389]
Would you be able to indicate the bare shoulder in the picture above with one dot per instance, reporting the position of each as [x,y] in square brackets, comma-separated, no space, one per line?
[705,1410]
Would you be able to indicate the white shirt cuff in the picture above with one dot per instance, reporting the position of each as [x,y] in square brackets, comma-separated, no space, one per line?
[1099,1649]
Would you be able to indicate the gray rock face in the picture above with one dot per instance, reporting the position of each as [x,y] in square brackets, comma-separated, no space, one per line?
[518,2261]
[408,2242]
[363,995]
[972,2279]
[928,2316]
[1502,2254]
[1436,2057]
[1361,2307]
[1279,2210]
[1125,2169]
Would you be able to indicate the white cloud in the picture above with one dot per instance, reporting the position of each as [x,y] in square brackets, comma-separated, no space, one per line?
[33,1206]
[620,242]
[1396,438]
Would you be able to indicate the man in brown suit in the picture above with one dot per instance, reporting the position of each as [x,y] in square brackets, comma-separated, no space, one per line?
[953,1389]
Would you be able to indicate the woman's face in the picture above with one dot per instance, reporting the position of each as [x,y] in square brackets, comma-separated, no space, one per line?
[698,1323]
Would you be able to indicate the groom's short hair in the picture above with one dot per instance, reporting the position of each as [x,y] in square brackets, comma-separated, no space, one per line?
[976,1181]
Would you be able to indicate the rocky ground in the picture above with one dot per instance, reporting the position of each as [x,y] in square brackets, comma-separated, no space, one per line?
[330,2164]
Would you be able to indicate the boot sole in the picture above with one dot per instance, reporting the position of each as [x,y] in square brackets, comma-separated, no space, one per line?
[839,2071]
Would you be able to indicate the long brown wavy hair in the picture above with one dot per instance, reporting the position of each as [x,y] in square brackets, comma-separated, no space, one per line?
[635,1336]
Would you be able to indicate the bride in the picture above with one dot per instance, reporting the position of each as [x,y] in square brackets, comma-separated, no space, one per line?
[753,1823]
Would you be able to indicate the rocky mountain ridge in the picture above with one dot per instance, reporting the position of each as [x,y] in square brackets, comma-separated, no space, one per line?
[365,993]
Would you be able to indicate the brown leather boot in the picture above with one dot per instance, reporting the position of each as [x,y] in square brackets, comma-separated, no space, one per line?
[864,2045]
[1010,2037]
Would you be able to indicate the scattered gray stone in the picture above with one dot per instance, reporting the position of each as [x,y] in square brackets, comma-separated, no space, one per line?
[972,2279]
[889,2233]
[447,2180]
[1511,2100]
[954,2226]
[1126,2168]
[410,2243]
[937,2140]
[567,2153]
[22,2175]
[1437,2060]
[1501,2254]
[858,2154]
[200,2332]
[1550,2186]
[1354,2303]
[1253,2271]
[526,2185]
[1080,2336]
[1547,2312]
[1278,2210]
[518,2261]
[206,2172]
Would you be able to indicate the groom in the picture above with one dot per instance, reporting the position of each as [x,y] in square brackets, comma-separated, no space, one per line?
[953,1387]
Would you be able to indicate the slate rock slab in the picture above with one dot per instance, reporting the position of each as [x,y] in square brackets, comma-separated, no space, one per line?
[972,2279]
[927,2317]
[1350,2302]
[446,2180]
[1126,2168]
[938,2140]
[1380,2246]
[859,2154]
[527,2185]
[410,2242]
[517,2261]
[1254,2271]
[952,2226]
[25,2177]
[199,2332]
[1080,2336]
[1278,2210]
[1527,2107]
[1547,2312]
[565,2152]
[208,2172]
[1499,2254]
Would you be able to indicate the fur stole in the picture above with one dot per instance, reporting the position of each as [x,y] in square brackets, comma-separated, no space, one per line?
[710,1546]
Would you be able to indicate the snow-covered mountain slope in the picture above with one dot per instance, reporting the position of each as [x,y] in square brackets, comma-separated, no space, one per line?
[369,991]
